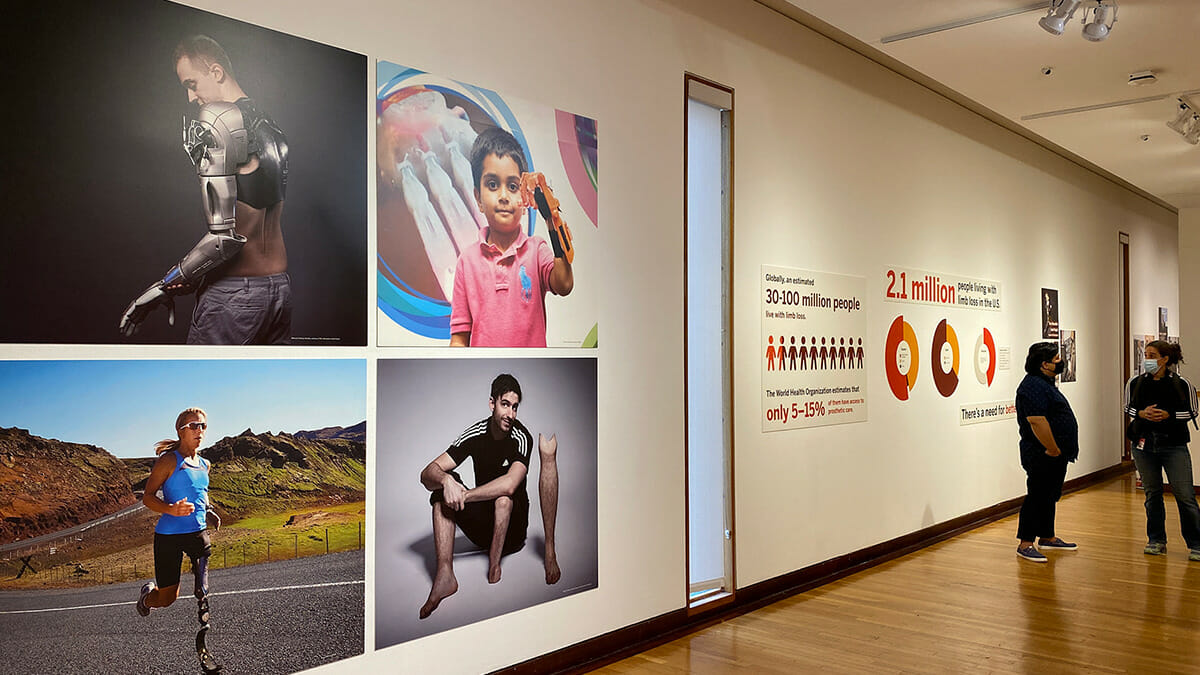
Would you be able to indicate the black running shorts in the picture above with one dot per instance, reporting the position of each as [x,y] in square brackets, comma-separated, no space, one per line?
[169,550]
[477,520]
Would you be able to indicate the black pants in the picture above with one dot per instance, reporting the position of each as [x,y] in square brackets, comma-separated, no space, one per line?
[1043,482]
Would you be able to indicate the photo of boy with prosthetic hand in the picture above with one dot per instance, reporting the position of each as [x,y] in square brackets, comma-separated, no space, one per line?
[500,285]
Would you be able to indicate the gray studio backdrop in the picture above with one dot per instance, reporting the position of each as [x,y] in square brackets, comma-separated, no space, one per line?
[423,405]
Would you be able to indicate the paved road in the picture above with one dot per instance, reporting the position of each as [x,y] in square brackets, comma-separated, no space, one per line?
[261,623]
[46,538]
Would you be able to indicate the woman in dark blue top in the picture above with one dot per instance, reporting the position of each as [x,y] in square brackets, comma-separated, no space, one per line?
[182,476]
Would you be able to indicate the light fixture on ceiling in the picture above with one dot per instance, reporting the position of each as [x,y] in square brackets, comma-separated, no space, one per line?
[1186,122]
[1061,11]
[1142,78]
[1103,15]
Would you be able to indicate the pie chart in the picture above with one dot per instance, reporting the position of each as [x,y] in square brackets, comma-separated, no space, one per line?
[985,358]
[945,359]
[900,358]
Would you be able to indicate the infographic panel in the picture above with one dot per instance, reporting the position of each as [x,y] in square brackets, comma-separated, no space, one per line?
[813,351]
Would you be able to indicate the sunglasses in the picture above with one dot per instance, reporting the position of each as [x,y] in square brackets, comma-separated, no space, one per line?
[195,425]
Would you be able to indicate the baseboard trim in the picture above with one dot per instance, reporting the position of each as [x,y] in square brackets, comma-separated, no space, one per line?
[629,640]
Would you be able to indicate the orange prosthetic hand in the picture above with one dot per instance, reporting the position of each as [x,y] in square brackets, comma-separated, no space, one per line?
[535,193]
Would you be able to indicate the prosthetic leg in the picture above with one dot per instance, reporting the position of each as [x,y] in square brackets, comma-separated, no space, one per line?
[200,571]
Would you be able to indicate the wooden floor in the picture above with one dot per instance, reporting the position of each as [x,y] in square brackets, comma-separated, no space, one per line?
[969,605]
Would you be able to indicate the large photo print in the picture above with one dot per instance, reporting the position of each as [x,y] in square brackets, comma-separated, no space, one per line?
[181,516]
[487,470]
[487,216]
[177,176]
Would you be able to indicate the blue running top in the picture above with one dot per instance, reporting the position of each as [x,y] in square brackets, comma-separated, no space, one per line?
[190,483]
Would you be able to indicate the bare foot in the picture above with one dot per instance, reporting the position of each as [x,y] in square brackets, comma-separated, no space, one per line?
[444,586]
[553,574]
[494,574]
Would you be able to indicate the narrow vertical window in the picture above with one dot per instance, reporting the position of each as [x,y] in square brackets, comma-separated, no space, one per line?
[708,274]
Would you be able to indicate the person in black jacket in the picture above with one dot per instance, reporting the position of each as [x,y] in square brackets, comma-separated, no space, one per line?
[1161,403]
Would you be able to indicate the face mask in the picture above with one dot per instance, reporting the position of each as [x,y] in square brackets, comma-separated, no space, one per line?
[1060,367]
[1150,366]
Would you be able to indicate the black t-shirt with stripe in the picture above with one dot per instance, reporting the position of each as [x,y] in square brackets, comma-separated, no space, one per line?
[492,457]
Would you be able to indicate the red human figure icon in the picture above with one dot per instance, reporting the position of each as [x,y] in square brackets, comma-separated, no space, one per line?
[792,353]
[824,355]
[770,352]
[812,353]
[860,353]
[803,355]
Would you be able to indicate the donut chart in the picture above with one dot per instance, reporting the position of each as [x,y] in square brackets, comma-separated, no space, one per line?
[985,358]
[900,358]
[945,359]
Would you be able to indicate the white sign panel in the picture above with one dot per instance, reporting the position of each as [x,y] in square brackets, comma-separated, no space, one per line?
[922,287]
[978,413]
[814,352]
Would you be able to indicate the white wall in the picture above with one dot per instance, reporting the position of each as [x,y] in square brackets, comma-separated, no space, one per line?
[840,166]
[1189,313]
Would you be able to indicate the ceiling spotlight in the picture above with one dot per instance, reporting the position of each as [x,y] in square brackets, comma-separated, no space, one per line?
[1193,133]
[1186,122]
[1061,11]
[1104,15]
[1180,124]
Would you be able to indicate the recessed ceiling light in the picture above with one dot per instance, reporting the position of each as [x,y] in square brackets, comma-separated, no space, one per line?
[1142,78]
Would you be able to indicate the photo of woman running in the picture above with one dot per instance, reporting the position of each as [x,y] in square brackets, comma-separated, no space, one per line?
[182,476]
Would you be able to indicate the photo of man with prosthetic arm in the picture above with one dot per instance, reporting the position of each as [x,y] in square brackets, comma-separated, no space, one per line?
[157,159]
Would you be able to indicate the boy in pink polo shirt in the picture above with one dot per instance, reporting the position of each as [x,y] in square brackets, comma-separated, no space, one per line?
[500,285]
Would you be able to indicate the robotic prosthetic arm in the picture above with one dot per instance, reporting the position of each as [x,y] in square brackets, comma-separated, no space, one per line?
[217,142]
[536,193]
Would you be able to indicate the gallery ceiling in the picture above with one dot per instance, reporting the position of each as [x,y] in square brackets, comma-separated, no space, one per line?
[1071,92]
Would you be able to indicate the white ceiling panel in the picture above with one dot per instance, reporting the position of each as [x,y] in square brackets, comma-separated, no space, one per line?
[999,64]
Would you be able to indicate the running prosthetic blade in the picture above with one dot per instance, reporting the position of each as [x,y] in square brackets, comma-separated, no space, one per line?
[208,663]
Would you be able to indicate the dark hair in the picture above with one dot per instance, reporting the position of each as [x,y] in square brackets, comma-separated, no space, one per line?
[503,384]
[1039,353]
[498,142]
[205,50]
[1168,349]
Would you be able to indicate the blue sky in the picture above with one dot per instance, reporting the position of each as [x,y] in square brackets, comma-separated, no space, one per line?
[126,406]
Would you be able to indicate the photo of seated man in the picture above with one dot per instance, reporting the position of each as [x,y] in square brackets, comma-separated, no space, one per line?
[505,517]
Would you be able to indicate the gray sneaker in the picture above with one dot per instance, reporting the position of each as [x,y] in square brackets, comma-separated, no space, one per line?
[1194,555]
[142,608]
[1155,548]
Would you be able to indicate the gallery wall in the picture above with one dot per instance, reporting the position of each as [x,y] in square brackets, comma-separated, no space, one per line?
[841,167]
[1189,279]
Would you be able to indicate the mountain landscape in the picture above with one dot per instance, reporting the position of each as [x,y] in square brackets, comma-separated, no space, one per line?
[264,472]
[47,485]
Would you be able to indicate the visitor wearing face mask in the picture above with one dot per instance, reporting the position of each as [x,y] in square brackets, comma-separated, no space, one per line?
[1161,403]
[1049,440]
